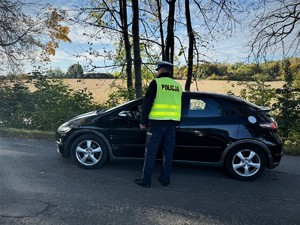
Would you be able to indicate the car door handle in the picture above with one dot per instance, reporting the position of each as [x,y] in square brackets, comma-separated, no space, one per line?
[198,133]
[191,131]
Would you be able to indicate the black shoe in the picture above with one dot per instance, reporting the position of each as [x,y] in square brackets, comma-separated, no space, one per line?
[140,182]
[163,184]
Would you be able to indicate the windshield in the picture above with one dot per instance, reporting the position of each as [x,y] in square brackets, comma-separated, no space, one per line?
[119,106]
[101,110]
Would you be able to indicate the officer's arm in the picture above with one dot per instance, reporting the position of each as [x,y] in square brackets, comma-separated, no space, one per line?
[148,102]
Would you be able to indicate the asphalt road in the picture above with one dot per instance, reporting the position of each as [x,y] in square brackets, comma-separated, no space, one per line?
[37,186]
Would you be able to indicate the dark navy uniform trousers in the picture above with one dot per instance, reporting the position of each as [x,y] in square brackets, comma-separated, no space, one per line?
[156,135]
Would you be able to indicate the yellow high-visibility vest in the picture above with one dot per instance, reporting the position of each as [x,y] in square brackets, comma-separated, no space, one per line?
[167,104]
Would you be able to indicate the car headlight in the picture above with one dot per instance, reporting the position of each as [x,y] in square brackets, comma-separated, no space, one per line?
[64,128]
[67,126]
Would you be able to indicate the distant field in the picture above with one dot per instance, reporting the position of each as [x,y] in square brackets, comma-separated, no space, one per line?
[100,88]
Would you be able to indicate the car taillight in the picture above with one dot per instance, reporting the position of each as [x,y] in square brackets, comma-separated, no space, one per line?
[271,125]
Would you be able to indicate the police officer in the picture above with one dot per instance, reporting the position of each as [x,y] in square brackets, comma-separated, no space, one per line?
[162,107]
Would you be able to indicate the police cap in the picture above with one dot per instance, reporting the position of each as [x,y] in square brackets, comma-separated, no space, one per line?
[164,64]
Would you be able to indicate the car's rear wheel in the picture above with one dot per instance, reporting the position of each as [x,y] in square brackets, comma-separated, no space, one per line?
[245,162]
[89,151]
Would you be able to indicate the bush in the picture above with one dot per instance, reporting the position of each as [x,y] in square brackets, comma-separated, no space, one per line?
[15,103]
[257,92]
[44,109]
[286,103]
[288,106]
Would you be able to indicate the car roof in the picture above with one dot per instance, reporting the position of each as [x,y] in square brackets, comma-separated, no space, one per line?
[212,94]
[227,97]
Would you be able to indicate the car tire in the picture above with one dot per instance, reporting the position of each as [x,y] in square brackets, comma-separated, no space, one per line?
[89,151]
[245,162]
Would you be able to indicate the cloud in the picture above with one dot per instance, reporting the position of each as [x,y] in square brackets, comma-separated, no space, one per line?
[230,50]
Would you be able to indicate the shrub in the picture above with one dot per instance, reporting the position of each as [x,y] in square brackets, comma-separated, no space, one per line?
[44,109]
[15,104]
[257,92]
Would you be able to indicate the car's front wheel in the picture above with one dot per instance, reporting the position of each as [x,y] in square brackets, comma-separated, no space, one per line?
[89,151]
[245,162]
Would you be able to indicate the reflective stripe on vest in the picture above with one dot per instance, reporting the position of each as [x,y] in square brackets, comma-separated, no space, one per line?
[167,104]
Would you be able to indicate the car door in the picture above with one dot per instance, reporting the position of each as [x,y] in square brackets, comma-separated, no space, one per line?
[204,131]
[125,136]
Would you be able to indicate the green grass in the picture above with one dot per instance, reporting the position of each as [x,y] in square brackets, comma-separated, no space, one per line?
[292,150]
[27,134]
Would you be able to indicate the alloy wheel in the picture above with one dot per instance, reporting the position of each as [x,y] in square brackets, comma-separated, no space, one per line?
[88,152]
[246,163]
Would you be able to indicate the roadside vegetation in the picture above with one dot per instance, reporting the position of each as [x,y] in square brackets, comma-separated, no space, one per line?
[39,113]
[44,109]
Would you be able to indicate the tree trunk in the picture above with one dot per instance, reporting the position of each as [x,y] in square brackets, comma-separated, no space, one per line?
[191,36]
[123,15]
[136,49]
[161,31]
[169,51]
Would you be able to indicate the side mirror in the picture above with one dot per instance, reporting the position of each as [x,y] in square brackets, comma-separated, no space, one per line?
[133,115]
[126,114]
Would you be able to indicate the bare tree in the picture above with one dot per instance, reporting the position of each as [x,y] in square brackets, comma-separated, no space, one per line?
[277,27]
[169,48]
[161,31]
[110,20]
[16,33]
[157,27]
[136,49]
[191,36]
[217,17]
[21,35]
[125,34]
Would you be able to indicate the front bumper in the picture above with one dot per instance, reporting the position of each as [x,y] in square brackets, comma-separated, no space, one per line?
[60,147]
[60,144]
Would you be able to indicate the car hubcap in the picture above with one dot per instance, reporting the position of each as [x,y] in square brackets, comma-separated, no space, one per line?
[246,163]
[88,152]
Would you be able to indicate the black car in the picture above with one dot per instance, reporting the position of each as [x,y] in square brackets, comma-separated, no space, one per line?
[215,129]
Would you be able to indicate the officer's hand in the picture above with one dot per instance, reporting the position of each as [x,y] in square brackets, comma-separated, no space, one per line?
[142,126]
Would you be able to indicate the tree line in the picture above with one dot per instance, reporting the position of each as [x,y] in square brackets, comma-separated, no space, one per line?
[270,70]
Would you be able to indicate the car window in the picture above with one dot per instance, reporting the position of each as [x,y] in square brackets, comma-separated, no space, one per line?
[134,112]
[204,107]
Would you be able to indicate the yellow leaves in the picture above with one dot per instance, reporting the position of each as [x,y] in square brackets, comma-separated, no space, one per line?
[50,47]
[63,33]
[60,33]
[56,31]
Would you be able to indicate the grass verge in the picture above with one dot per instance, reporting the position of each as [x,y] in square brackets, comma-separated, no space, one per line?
[292,150]
[27,134]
